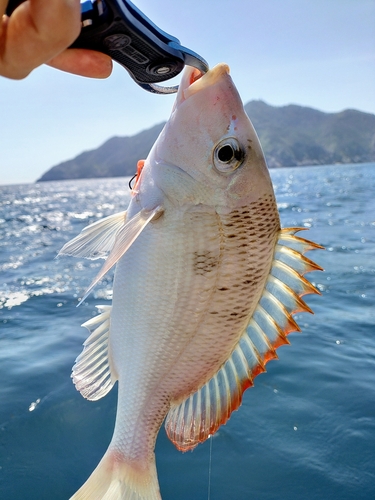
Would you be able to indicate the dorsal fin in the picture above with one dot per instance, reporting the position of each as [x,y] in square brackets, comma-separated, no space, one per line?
[92,373]
[201,414]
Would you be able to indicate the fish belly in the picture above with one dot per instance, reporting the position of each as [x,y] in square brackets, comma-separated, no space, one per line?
[183,295]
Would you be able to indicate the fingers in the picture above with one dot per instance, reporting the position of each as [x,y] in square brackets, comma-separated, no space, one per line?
[37,31]
[83,62]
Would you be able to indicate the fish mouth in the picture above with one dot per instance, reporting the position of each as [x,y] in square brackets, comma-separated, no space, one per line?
[194,80]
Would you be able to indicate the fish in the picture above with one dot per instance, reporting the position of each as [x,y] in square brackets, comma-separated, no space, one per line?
[205,287]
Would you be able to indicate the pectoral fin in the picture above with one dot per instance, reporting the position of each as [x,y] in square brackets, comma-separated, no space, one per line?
[96,240]
[125,237]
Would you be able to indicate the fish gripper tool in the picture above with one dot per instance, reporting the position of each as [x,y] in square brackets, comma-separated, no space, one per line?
[120,30]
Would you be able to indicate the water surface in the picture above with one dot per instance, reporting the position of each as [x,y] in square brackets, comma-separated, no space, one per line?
[305,431]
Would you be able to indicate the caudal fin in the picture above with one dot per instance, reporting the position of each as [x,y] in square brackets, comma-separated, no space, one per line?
[114,479]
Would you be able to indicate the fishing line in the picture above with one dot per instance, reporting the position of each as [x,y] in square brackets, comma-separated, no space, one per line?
[209,470]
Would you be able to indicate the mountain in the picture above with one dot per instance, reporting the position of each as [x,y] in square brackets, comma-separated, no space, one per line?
[296,136]
[115,158]
[290,135]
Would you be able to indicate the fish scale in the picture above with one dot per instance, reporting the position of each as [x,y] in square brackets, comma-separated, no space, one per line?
[207,350]
[173,326]
[205,287]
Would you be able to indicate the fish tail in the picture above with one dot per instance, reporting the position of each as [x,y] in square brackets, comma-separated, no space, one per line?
[116,478]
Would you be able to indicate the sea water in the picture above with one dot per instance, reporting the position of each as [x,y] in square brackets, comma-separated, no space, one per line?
[305,431]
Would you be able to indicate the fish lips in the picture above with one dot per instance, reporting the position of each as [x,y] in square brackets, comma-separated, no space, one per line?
[194,81]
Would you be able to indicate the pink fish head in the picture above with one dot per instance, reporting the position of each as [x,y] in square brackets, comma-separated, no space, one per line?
[210,137]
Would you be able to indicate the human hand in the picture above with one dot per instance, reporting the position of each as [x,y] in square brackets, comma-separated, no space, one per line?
[38,32]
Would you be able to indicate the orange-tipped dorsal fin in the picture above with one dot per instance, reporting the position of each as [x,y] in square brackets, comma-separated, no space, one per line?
[202,413]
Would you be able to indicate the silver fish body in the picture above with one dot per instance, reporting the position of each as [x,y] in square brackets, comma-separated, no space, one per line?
[205,287]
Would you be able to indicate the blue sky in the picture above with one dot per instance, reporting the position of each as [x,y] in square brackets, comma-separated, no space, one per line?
[317,53]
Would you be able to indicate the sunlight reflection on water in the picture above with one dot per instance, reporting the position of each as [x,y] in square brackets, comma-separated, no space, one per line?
[307,428]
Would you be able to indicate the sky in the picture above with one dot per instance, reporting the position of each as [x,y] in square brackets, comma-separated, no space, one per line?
[319,54]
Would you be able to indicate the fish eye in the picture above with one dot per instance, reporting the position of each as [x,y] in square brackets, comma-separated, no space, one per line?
[228,155]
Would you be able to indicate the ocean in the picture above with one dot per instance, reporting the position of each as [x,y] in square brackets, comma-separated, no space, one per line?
[306,430]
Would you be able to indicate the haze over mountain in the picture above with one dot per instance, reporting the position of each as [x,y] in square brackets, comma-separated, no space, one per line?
[290,136]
